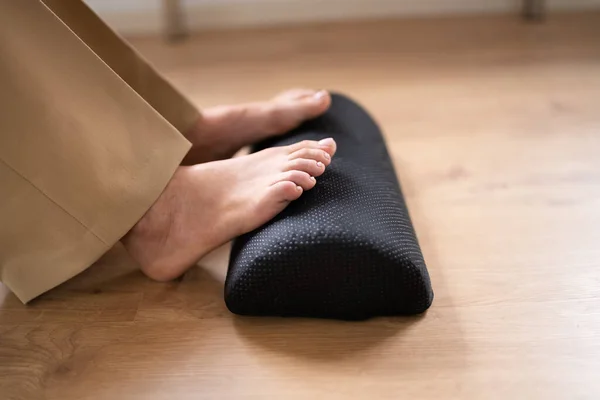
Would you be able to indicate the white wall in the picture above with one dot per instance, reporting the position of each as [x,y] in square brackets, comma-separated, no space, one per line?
[143,16]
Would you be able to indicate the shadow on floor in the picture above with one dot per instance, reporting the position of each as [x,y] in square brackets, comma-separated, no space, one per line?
[321,339]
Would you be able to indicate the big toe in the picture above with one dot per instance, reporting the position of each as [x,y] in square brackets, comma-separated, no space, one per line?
[302,104]
[328,145]
[315,104]
[294,94]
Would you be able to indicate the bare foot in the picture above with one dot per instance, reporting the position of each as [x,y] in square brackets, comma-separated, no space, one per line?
[206,205]
[222,131]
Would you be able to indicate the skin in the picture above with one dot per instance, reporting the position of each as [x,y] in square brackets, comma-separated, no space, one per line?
[212,198]
[223,130]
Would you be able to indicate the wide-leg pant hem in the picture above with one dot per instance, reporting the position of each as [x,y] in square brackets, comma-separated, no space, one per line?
[90,136]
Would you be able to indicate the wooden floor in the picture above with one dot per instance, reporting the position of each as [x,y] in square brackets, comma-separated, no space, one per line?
[494,126]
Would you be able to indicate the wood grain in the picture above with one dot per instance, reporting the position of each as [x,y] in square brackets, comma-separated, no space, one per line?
[494,126]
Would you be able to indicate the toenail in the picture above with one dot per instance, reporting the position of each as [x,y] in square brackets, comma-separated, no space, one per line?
[312,178]
[320,94]
[326,155]
[319,164]
[299,188]
[326,142]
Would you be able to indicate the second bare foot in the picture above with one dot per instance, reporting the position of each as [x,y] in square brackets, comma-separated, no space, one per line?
[206,205]
[224,130]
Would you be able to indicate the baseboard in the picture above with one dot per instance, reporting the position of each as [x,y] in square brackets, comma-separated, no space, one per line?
[144,17]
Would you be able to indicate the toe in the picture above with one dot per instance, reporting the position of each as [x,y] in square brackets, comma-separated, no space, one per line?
[300,178]
[285,191]
[294,94]
[327,145]
[311,167]
[312,154]
[310,144]
[315,105]
[285,113]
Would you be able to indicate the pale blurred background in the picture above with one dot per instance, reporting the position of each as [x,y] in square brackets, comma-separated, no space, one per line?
[147,16]
[381,50]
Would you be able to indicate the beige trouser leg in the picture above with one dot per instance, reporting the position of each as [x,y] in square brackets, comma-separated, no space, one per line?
[89,137]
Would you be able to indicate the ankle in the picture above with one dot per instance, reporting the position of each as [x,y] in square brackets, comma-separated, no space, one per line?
[156,225]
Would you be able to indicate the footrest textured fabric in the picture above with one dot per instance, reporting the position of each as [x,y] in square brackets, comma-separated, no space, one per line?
[347,248]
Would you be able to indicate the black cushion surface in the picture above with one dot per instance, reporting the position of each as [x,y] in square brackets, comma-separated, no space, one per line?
[347,248]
